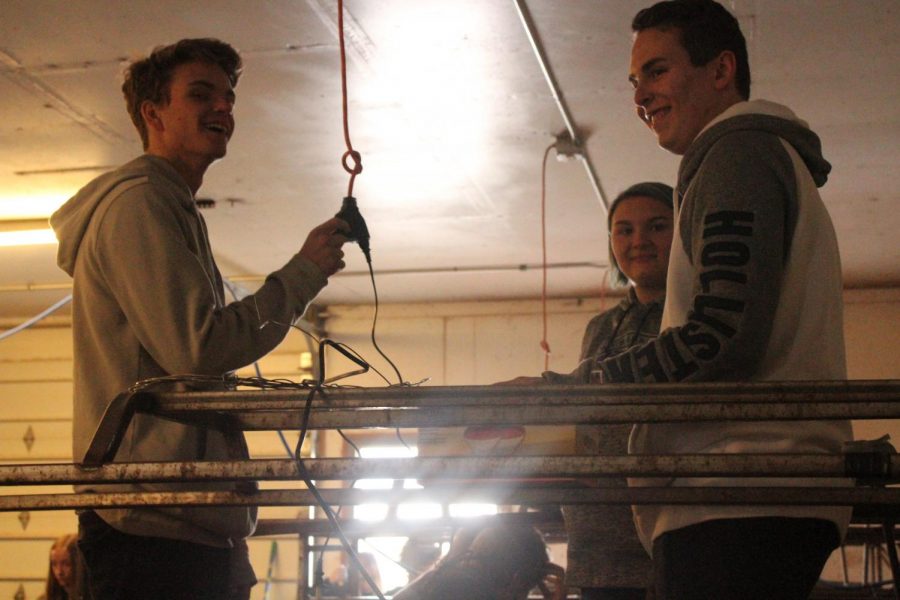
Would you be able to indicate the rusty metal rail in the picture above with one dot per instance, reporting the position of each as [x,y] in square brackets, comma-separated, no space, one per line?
[887,468]
[252,418]
[496,479]
[881,498]
[539,405]
[445,406]
[425,396]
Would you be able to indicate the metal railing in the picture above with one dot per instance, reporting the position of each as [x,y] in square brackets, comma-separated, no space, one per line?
[500,478]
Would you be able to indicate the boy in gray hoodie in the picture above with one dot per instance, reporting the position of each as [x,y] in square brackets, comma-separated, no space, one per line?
[149,302]
[754,293]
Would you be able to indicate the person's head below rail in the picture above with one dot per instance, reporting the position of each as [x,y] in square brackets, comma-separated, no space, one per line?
[497,562]
[63,576]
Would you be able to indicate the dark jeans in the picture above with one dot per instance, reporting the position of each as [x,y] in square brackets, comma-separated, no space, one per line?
[613,594]
[130,567]
[742,559]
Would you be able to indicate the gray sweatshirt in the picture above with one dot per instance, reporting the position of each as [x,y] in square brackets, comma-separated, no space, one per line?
[603,549]
[149,302]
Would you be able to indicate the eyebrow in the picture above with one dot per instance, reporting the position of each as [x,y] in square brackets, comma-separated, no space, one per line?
[209,86]
[650,220]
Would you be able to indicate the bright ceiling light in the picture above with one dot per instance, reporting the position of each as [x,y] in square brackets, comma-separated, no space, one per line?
[30,237]
[32,205]
[30,232]
[23,216]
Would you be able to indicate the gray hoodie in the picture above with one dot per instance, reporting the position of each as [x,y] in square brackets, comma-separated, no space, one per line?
[754,293]
[149,302]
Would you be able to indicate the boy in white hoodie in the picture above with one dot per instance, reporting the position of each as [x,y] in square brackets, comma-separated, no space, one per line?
[753,294]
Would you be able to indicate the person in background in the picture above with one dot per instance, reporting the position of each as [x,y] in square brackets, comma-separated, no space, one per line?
[754,293]
[149,304]
[605,559]
[417,556]
[64,576]
[497,562]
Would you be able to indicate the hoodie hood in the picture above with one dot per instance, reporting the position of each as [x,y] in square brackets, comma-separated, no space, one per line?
[757,115]
[70,222]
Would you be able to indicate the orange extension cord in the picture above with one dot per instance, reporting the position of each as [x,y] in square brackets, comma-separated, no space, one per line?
[357,168]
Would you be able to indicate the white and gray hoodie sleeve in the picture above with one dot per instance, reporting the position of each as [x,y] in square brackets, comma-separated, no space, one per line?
[737,212]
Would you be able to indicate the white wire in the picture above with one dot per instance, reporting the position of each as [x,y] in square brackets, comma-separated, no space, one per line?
[32,321]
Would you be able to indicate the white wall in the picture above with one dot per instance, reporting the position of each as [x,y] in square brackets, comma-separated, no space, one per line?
[450,344]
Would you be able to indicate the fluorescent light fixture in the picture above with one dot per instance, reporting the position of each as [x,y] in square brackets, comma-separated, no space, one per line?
[31,205]
[26,233]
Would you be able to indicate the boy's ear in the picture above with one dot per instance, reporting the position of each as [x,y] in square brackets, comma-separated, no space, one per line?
[725,66]
[151,116]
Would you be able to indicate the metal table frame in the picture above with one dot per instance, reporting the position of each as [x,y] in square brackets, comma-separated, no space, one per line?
[520,480]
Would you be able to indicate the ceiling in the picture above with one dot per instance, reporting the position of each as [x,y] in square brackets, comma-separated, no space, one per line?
[452,114]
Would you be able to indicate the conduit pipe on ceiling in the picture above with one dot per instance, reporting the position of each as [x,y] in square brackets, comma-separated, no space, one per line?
[44,287]
[577,142]
[458,270]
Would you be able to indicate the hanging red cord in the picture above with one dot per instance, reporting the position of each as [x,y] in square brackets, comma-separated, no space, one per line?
[545,345]
[356,168]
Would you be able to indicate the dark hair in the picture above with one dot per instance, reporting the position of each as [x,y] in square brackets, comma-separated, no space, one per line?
[651,189]
[507,553]
[707,29]
[485,559]
[149,78]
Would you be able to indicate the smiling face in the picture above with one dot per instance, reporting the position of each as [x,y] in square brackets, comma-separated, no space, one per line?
[673,97]
[641,239]
[192,128]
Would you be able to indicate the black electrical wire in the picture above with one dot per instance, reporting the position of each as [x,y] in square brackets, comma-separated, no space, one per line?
[332,518]
[374,321]
[230,381]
